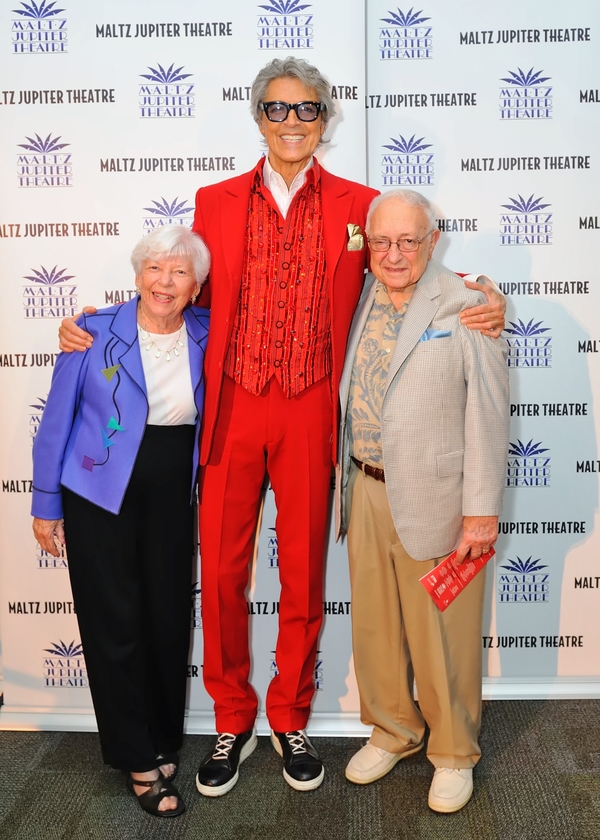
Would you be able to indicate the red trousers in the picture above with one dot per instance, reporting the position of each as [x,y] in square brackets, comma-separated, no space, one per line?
[291,440]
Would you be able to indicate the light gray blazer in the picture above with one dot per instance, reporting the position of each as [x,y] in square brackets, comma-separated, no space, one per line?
[444,418]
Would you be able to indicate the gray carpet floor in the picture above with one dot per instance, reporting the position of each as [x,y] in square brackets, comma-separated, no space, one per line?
[538,779]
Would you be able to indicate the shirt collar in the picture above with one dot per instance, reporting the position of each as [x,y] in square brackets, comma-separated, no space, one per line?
[383,299]
[274,181]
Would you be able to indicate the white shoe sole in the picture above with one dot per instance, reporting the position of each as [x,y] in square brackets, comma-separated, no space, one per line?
[221,790]
[440,808]
[312,784]
[449,808]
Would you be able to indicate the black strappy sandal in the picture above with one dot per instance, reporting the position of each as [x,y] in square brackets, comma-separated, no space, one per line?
[151,799]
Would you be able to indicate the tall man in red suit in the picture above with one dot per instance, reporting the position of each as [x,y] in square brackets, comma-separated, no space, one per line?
[288,261]
[287,270]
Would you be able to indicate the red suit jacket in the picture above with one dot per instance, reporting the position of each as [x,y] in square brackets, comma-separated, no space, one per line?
[220,219]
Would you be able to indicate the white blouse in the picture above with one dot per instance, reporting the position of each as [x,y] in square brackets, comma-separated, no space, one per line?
[168,383]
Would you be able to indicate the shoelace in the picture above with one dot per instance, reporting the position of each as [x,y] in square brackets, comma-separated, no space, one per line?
[296,741]
[223,746]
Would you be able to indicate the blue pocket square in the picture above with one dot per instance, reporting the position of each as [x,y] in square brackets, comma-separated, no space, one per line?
[429,334]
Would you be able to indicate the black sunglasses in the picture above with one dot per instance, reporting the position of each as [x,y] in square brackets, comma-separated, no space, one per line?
[305,111]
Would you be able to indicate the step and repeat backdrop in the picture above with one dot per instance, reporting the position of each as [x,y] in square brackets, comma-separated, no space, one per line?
[113,117]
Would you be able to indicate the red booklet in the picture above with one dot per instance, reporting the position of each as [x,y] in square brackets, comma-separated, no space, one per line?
[449,578]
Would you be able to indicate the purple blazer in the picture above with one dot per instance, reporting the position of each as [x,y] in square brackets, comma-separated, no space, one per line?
[96,412]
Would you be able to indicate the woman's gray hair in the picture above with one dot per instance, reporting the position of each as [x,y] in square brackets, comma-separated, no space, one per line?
[411,197]
[173,241]
[292,68]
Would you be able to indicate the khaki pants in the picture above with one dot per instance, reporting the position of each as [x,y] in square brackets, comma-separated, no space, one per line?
[399,634]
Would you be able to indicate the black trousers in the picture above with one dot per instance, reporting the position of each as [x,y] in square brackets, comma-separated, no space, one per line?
[131,581]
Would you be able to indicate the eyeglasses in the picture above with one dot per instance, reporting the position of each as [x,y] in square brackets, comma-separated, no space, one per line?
[305,111]
[406,245]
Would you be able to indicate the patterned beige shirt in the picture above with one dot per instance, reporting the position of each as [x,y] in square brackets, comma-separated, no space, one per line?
[369,374]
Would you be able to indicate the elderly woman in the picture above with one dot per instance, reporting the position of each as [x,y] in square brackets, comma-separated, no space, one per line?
[115,463]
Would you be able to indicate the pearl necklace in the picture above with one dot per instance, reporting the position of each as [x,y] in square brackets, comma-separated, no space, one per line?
[146,337]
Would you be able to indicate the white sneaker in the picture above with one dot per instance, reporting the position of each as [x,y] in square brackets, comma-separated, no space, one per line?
[371,763]
[450,790]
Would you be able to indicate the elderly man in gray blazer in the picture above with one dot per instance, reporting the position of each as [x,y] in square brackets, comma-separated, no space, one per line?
[424,442]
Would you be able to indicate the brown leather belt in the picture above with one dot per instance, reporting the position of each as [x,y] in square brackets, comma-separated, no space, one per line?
[375,472]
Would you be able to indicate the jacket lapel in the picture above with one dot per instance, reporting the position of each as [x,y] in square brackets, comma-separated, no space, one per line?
[124,327]
[197,332]
[234,217]
[420,313]
[194,321]
[336,201]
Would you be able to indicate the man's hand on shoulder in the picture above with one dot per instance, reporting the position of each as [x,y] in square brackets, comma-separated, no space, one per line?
[71,337]
[488,318]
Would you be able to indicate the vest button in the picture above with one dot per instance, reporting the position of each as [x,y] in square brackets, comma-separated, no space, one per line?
[279,344]
[285,265]
[279,324]
[277,363]
[283,284]
[287,246]
[281,304]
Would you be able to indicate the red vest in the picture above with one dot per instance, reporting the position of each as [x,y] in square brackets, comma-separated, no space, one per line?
[282,326]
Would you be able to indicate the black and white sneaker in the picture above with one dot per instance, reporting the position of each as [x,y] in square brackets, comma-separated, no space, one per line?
[219,771]
[302,767]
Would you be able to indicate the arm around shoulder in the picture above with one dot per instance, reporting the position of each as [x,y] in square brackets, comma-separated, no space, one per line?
[73,337]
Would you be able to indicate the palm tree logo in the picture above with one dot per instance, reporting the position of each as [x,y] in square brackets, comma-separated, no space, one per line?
[403,20]
[524,567]
[43,147]
[526,330]
[525,79]
[38,11]
[526,205]
[407,147]
[49,278]
[285,7]
[40,406]
[169,210]
[526,450]
[165,77]
[65,651]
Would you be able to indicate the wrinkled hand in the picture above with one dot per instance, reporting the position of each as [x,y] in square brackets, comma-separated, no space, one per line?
[49,532]
[71,337]
[487,318]
[478,535]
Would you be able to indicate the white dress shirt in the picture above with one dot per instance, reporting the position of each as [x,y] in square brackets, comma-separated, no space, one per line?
[279,189]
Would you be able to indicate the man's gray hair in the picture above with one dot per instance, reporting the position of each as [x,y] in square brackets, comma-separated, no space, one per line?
[411,197]
[292,68]
[173,241]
